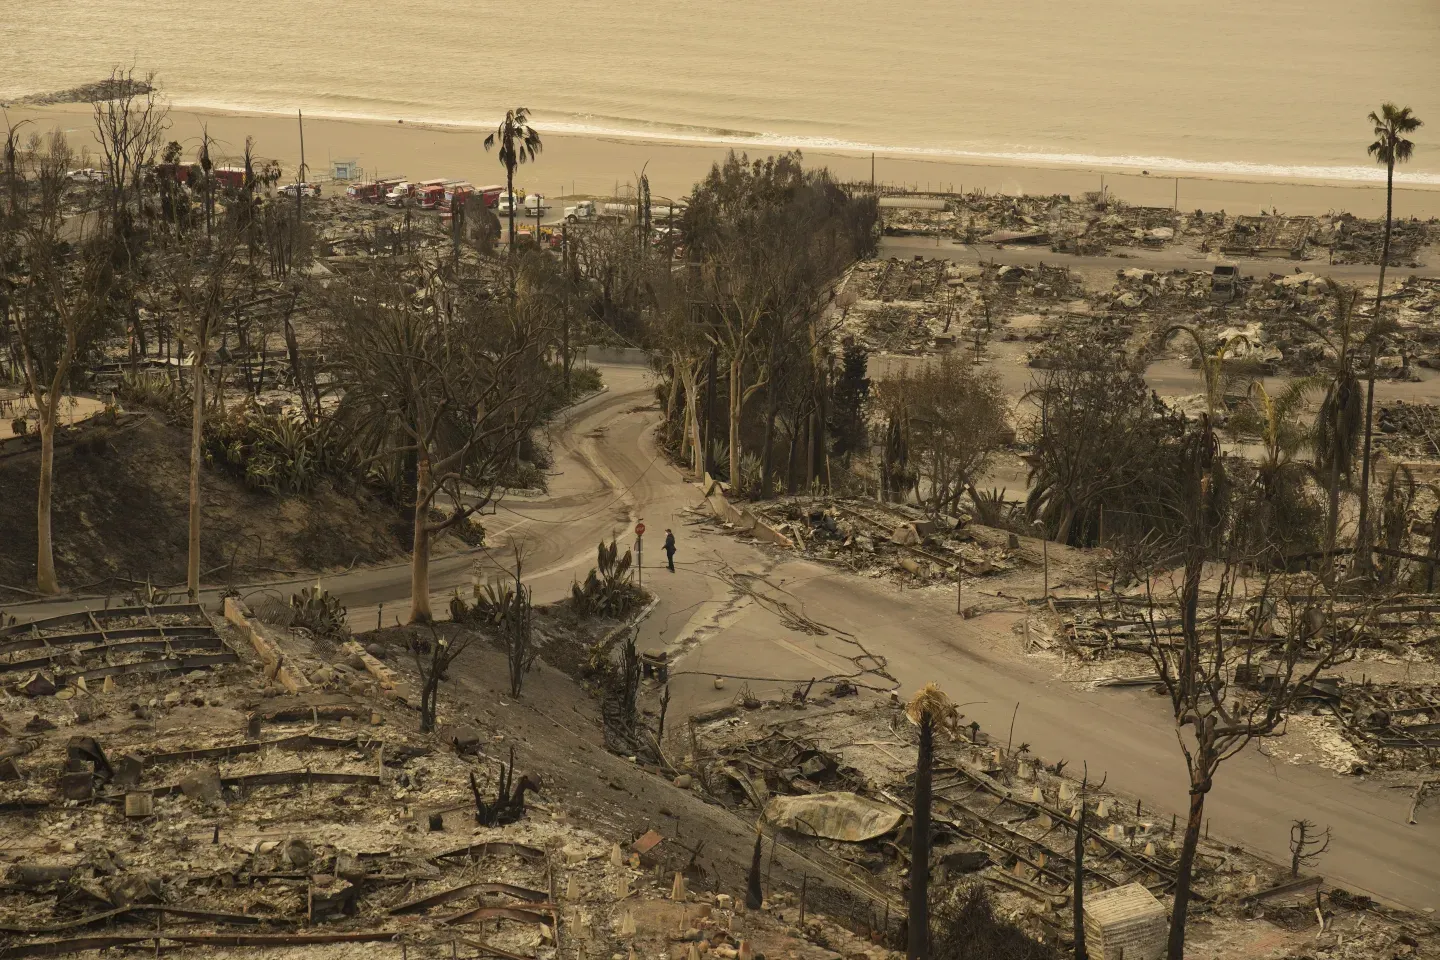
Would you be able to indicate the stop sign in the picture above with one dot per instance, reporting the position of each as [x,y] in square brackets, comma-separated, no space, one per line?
[639,529]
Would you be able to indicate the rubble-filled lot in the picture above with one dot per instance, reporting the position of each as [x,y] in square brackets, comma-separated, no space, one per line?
[833,772]
[1093,225]
[276,800]
[1268,324]
[1377,716]
[893,539]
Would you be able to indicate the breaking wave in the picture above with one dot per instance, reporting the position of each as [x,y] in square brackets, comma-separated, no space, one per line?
[626,128]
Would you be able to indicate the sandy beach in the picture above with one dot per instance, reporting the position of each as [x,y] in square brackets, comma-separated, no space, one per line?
[601,165]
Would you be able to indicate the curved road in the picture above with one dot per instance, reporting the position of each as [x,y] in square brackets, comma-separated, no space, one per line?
[732,609]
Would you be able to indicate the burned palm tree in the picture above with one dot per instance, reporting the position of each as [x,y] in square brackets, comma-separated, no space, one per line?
[932,711]
[518,143]
[1337,422]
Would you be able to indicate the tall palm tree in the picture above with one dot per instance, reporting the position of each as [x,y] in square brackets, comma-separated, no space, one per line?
[518,143]
[1391,125]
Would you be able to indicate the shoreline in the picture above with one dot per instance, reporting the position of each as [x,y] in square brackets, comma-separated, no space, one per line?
[601,164]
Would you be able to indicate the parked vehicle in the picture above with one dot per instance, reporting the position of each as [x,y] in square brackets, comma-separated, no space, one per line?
[1224,282]
[505,203]
[368,192]
[386,185]
[535,204]
[231,177]
[310,189]
[177,172]
[456,192]
[491,194]
[431,196]
[87,175]
[399,193]
[582,210]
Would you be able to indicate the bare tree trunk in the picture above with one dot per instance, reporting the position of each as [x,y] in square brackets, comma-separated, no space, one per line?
[918,924]
[510,187]
[1184,870]
[1067,520]
[428,696]
[767,478]
[736,399]
[1363,556]
[692,408]
[1078,902]
[790,461]
[197,423]
[809,453]
[671,399]
[711,379]
[45,578]
[293,348]
[420,546]
[1332,529]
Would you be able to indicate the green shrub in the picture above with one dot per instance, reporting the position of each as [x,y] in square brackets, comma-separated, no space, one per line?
[278,453]
[154,391]
[584,380]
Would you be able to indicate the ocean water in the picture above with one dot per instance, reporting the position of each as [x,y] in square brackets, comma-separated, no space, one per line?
[1270,88]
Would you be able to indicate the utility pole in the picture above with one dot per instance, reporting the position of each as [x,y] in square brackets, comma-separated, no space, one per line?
[300,174]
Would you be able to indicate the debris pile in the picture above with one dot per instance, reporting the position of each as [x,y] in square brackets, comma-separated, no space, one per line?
[1408,430]
[183,781]
[1269,236]
[1361,241]
[1002,817]
[890,538]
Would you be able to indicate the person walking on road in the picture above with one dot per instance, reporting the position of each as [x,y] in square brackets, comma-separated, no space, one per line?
[670,549]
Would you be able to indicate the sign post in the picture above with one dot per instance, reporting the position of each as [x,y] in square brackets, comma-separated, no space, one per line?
[639,554]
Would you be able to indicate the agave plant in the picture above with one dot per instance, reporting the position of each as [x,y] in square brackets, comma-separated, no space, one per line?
[991,508]
[608,589]
[320,612]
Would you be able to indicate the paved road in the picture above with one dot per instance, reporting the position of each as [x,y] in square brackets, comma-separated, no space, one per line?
[773,621]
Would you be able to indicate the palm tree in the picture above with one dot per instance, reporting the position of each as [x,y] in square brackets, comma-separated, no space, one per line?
[930,710]
[518,143]
[1337,422]
[1212,358]
[1279,421]
[1275,417]
[1391,125]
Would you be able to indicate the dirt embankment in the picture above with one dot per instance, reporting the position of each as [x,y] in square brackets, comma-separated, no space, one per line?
[121,510]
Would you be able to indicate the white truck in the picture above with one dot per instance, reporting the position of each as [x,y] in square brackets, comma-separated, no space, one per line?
[399,193]
[582,210]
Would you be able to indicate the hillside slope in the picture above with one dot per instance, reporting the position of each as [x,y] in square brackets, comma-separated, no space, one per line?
[121,507]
